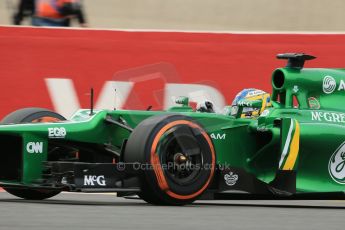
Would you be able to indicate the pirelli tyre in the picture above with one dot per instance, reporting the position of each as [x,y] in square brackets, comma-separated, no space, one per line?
[30,115]
[175,158]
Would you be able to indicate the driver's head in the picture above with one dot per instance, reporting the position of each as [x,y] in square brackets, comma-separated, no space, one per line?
[251,95]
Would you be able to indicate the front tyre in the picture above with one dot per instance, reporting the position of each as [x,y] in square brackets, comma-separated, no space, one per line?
[176,156]
[32,115]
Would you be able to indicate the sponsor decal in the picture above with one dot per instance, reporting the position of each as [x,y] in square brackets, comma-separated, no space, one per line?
[92,180]
[329,84]
[255,93]
[313,103]
[336,166]
[328,116]
[341,86]
[34,147]
[121,166]
[218,136]
[57,132]
[265,113]
[230,179]
[244,103]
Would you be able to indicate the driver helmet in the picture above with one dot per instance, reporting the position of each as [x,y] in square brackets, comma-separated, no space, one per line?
[251,95]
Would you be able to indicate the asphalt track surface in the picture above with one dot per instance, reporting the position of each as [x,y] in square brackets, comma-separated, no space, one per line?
[105,211]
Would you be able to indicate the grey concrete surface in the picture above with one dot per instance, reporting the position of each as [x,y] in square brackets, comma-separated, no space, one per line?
[211,15]
[98,211]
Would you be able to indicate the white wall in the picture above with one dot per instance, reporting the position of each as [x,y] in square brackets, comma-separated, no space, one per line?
[228,15]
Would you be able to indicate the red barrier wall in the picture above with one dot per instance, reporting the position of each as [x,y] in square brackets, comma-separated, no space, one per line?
[229,62]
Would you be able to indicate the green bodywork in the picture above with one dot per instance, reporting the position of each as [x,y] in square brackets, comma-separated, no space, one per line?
[252,144]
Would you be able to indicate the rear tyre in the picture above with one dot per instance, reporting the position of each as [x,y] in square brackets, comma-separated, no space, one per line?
[176,158]
[32,115]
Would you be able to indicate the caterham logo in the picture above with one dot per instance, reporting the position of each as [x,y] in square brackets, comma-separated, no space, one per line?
[329,84]
[336,165]
[218,136]
[230,178]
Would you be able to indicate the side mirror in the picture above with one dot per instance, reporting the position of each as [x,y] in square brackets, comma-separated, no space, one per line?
[184,101]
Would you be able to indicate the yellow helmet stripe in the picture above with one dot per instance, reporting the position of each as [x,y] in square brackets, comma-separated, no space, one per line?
[258,97]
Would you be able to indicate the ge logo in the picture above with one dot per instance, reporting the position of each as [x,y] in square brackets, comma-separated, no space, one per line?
[329,84]
[336,166]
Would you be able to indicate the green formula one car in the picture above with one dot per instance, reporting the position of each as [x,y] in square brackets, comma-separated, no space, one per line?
[289,145]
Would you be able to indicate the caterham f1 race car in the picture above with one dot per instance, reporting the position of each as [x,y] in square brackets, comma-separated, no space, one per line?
[293,148]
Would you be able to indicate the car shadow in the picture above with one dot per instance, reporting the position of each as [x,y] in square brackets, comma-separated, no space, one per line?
[292,206]
[138,202]
[75,202]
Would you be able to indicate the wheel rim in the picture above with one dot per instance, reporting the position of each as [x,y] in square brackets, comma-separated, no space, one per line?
[180,155]
[203,179]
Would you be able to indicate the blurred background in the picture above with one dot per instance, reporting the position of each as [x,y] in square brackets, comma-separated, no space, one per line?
[233,52]
[208,15]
